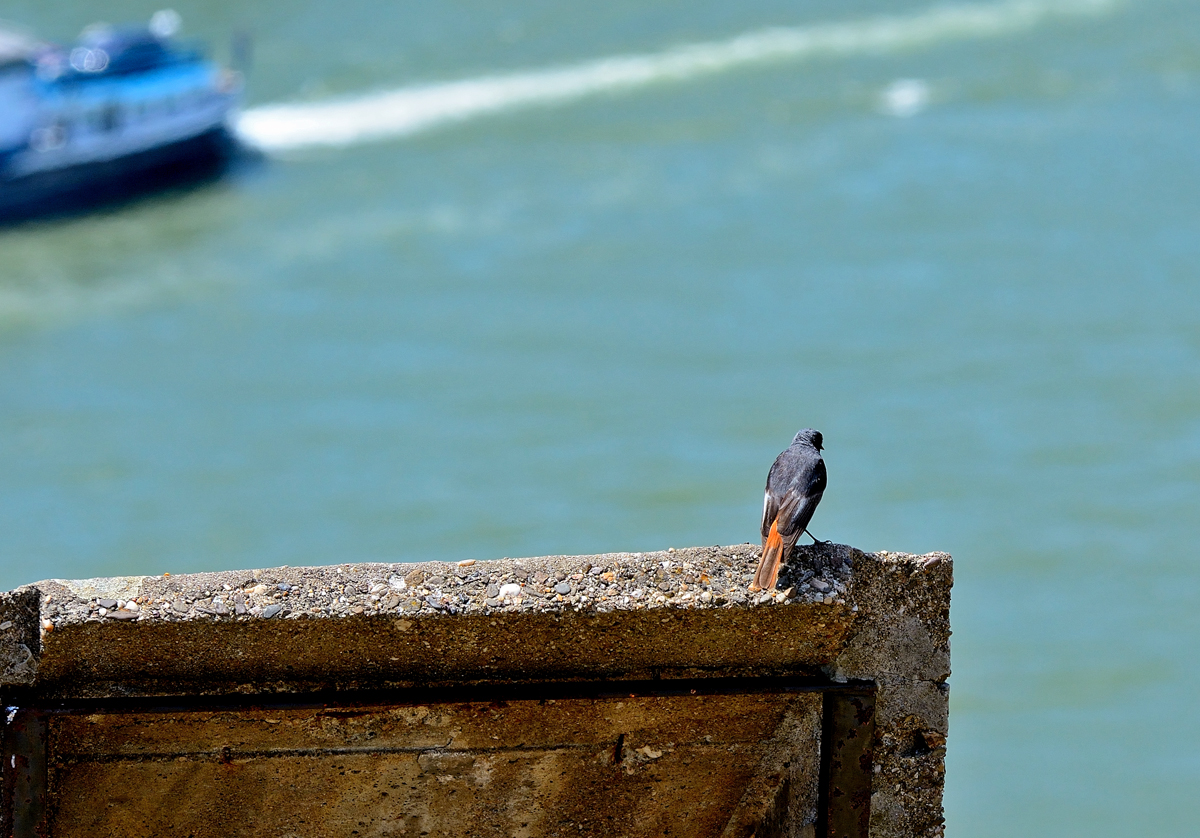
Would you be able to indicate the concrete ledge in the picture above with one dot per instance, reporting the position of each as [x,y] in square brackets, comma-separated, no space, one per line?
[377,637]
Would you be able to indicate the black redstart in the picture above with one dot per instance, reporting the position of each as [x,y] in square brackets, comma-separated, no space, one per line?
[795,484]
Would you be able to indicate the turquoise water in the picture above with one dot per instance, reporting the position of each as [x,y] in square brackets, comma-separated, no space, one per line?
[963,245]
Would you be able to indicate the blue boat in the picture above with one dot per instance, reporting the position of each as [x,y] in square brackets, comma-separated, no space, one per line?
[123,110]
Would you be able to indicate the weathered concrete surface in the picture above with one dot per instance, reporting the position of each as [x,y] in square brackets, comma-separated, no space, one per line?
[839,615]
[367,625]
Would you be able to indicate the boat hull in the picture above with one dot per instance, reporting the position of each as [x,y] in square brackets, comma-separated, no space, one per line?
[88,186]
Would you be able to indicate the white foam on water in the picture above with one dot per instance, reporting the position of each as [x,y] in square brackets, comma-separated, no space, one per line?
[904,97]
[407,110]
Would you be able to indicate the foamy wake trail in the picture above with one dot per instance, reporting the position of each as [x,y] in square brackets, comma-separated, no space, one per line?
[408,110]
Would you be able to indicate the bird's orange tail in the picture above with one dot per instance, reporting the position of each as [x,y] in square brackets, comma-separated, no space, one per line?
[768,565]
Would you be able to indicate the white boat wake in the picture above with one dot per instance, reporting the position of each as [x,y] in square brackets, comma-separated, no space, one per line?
[407,110]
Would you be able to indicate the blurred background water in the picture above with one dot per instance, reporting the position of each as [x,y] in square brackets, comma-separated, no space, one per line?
[963,244]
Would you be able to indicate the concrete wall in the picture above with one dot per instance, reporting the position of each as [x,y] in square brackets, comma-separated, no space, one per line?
[623,694]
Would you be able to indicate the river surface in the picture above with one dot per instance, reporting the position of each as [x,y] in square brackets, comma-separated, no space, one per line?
[530,278]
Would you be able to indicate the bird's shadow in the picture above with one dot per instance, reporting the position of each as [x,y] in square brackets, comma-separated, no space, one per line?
[809,560]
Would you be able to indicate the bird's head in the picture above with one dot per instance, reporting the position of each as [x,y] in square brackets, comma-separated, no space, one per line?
[809,437]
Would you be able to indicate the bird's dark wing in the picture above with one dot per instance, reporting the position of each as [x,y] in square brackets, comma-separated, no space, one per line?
[781,472]
[800,501]
[770,510]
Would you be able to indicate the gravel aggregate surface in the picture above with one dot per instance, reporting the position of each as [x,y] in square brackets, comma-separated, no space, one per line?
[697,577]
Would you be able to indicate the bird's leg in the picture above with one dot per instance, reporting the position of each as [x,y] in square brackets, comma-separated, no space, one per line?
[815,539]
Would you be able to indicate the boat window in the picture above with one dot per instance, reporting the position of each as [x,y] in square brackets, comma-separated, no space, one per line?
[110,118]
[138,57]
[49,138]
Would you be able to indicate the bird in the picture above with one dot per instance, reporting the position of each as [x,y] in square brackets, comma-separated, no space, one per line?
[795,484]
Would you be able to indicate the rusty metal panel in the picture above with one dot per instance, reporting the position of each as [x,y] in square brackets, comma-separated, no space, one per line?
[25,773]
[695,759]
[847,764]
